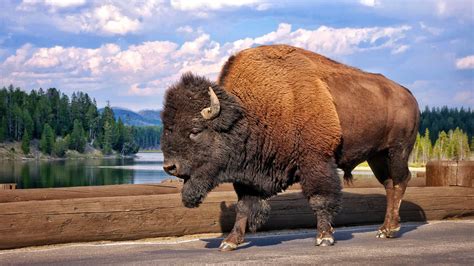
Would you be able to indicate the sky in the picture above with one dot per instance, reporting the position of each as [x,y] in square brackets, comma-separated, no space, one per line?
[129,52]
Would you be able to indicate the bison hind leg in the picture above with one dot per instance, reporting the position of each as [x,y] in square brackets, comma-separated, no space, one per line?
[391,169]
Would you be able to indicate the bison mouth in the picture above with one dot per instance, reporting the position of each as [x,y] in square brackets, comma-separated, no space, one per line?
[185,178]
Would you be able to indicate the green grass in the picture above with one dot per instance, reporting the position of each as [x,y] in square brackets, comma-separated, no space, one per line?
[149,151]
[366,164]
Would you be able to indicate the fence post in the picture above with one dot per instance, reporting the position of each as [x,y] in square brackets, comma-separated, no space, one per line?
[450,173]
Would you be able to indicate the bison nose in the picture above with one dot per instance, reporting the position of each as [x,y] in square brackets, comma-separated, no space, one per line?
[170,168]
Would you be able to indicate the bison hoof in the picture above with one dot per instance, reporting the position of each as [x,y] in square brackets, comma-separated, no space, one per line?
[387,233]
[324,242]
[227,246]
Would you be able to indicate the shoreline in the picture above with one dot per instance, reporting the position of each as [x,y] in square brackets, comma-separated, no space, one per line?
[11,151]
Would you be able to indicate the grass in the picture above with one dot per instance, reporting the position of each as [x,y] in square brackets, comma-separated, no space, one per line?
[149,151]
[366,164]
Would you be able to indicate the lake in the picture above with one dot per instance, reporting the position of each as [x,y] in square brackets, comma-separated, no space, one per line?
[145,168]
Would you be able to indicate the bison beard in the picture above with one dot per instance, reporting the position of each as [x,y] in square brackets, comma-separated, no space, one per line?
[195,190]
[197,186]
[281,115]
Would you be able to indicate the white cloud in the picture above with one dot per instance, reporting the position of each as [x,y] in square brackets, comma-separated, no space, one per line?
[462,9]
[336,41]
[370,3]
[147,69]
[190,5]
[107,19]
[185,29]
[465,62]
[99,17]
[28,4]
[402,48]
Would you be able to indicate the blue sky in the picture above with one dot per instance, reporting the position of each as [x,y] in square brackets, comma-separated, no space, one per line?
[129,52]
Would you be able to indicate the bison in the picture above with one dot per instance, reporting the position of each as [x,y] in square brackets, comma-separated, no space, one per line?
[280,115]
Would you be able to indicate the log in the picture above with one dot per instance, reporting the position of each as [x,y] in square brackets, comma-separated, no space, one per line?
[28,223]
[166,187]
[8,186]
[88,192]
[450,173]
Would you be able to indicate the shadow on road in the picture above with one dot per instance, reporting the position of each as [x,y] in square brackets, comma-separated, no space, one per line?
[292,211]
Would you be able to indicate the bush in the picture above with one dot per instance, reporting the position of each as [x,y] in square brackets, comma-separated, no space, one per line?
[60,147]
[130,148]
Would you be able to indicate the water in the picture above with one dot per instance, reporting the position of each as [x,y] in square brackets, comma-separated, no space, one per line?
[145,168]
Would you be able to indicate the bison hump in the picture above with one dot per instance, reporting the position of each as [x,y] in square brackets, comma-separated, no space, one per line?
[283,91]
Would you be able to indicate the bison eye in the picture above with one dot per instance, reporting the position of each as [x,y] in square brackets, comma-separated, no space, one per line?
[195,133]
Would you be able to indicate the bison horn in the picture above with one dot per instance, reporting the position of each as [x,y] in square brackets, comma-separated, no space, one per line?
[212,111]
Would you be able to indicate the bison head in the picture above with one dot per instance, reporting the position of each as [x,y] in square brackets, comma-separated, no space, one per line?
[202,132]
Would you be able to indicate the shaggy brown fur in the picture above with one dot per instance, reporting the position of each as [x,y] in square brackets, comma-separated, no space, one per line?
[288,98]
[288,115]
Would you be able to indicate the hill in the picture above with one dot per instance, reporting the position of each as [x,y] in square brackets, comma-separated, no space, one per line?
[141,118]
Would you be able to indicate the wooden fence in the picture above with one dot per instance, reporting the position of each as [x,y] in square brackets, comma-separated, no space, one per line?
[50,216]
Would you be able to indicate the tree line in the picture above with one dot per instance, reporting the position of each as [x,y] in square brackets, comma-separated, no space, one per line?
[451,145]
[444,119]
[61,123]
[444,134]
[147,137]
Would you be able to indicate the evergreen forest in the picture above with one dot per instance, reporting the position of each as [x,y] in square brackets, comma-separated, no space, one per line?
[62,123]
[444,134]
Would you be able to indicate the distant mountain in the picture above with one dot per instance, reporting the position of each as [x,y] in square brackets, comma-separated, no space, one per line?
[151,114]
[142,118]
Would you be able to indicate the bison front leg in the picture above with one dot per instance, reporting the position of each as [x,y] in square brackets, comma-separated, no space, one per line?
[251,210]
[322,187]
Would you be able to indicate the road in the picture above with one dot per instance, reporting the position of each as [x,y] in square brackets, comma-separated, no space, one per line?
[439,242]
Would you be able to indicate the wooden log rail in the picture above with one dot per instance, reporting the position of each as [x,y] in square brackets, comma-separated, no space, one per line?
[59,219]
[8,186]
[450,173]
[166,187]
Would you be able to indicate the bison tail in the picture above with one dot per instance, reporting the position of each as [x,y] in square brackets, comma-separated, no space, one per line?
[348,178]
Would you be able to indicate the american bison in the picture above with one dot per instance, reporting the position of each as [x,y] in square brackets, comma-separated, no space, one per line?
[280,115]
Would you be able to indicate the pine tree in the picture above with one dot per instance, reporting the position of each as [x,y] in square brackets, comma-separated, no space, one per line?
[107,142]
[92,120]
[120,135]
[25,142]
[47,139]
[426,147]
[78,139]
[3,129]
[18,122]
[440,148]
[64,116]
[415,154]
[28,122]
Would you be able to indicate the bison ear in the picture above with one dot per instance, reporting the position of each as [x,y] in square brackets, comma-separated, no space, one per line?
[212,111]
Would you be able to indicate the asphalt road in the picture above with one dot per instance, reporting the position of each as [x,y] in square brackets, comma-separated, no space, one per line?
[442,243]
